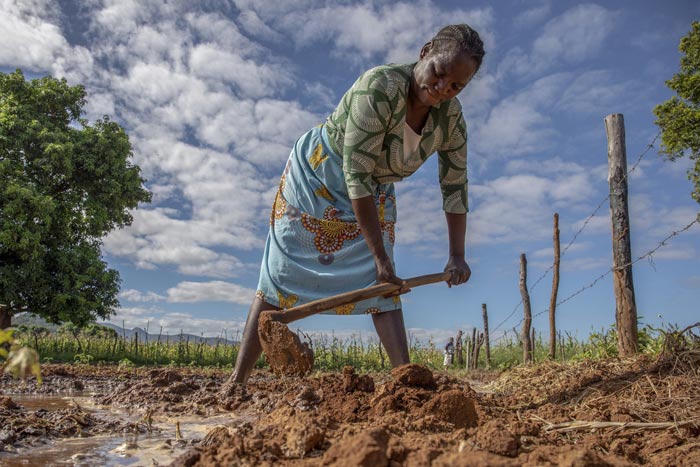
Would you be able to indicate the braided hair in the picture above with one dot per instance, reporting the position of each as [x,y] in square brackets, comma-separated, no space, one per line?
[458,38]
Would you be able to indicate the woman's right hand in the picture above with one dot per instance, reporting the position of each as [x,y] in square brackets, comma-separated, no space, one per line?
[385,273]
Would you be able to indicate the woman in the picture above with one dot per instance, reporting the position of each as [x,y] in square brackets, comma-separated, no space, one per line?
[332,223]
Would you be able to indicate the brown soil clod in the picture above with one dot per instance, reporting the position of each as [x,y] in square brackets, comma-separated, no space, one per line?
[353,382]
[414,375]
[454,407]
[284,351]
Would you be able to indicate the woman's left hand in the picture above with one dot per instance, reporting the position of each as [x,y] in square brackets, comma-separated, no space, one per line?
[460,270]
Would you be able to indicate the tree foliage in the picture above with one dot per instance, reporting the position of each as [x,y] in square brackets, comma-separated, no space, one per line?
[679,117]
[64,184]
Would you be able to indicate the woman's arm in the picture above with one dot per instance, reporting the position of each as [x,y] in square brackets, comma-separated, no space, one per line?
[457,231]
[368,219]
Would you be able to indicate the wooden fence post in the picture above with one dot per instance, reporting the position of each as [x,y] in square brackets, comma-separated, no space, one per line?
[477,347]
[527,312]
[555,291]
[381,355]
[472,345]
[487,345]
[458,349]
[623,285]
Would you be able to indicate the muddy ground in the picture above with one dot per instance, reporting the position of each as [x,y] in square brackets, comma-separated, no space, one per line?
[647,413]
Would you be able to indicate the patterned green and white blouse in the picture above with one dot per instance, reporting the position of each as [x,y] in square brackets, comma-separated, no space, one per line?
[367,129]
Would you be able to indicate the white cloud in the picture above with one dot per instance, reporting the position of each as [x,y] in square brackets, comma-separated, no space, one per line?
[675,252]
[575,35]
[133,295]
[168,323]
[596,91]
[510,208]
[420,215]
[572,37]
[214,291]
[585,264]
[520,207]
[393,33]
[250,77]
[692,282]
[31,40]
[532,16]
[156,239]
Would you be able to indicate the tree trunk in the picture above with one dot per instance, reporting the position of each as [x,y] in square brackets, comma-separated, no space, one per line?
[623,285]
[555,291]
[5,317]
[527,312]
[487,345]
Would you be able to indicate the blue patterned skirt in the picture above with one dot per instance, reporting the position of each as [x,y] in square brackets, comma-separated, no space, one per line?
[315,248]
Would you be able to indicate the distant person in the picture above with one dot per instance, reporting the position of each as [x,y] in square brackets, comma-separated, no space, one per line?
[449,353]
[332,222]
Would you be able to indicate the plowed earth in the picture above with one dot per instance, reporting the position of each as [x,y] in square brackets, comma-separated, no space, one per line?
[646,410]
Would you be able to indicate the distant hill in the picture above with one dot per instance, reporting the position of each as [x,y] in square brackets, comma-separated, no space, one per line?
[129,334]
[29,319]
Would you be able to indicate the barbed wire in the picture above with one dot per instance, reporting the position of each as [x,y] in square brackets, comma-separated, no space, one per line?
[648,254]
[581,229]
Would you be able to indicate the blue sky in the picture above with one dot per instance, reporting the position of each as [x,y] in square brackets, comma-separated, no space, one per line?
[213,95]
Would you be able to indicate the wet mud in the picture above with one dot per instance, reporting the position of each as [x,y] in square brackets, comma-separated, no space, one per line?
[283,349]
[412,416]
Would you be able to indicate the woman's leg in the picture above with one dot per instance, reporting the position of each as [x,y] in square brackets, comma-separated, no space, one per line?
[392,334]
[250,348]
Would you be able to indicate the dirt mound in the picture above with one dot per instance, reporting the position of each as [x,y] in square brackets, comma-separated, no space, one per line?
[495,438]
[352,382]
[414,375]
[611,413]
[454,407]
[285,353]
[365,449]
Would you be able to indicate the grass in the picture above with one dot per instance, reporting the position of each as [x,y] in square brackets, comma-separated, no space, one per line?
[96,344]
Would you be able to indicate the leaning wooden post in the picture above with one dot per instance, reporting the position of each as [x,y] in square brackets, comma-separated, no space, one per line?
[487,345]
[623,285]
[555,291]
[527,312]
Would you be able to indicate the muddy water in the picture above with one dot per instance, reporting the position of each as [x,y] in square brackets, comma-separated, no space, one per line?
[157,448]
[40,401]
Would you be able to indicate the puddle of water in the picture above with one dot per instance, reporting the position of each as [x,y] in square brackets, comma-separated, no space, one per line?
[39,401]
[157,448]
[85,452]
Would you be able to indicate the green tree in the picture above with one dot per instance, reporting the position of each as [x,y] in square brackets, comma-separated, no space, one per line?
[64,184]
[679,117]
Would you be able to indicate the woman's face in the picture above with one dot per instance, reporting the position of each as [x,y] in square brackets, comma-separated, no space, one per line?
[439,76]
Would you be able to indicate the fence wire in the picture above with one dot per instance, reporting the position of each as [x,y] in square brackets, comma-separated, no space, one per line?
[581,229]
[648,254]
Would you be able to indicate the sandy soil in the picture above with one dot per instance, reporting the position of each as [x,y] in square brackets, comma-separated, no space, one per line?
[646,411]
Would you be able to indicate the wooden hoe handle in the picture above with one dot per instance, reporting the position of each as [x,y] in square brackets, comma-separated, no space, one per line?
[323,304]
